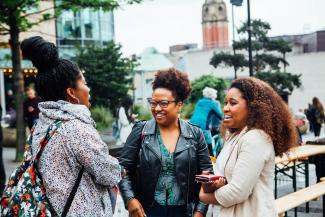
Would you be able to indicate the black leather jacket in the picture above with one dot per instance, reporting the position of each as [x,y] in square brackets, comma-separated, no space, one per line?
[141,158]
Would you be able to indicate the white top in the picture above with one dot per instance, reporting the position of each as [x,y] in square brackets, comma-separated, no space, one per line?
[124,125]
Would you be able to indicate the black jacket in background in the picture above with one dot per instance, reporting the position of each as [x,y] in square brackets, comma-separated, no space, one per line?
[141,158]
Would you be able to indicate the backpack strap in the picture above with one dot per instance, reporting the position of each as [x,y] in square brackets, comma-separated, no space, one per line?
[49,133]
[72,193]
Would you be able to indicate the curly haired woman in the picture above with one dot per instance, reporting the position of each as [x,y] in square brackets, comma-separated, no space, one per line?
[258,127]
[163,155]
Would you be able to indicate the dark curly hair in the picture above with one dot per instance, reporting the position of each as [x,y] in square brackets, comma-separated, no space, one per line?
[268,112]
[175,81]
[54,75]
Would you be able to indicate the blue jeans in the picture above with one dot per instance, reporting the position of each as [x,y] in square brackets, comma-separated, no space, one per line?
[166,211]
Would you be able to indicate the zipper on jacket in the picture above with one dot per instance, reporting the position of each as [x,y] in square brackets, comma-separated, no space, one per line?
[188,183]
[153,151]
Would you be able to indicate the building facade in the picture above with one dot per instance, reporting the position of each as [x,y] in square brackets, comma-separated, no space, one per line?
[82,28]
[306,43]
[215,24]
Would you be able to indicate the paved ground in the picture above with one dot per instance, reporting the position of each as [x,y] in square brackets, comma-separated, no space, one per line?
[285,185]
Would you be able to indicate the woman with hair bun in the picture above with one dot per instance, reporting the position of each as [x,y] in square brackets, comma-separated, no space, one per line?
[162,156]
[76,145]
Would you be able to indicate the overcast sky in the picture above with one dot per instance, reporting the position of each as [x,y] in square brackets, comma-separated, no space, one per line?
[162,23]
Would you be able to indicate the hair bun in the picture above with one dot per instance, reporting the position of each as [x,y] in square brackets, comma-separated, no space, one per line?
[43,54]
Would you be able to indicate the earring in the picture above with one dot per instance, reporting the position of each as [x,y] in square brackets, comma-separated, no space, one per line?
[73,101]
[78,101]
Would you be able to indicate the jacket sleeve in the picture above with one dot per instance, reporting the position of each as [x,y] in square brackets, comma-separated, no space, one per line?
[254,152]
[203,164]
[93,154]
[217,110]
[129,160]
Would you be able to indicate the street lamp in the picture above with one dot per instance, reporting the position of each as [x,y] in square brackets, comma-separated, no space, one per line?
[249,29]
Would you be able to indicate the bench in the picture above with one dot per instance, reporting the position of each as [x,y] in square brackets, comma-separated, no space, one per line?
[302,196]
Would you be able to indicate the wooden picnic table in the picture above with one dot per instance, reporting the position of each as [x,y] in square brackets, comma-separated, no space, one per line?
[300,152]
[297,158]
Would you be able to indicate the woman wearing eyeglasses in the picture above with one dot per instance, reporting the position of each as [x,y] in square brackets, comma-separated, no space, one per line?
[162,156]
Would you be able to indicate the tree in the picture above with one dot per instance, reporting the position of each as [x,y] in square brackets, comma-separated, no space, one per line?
[282,82]
[237,61]
[15,18]
[266,59]
[108,74]
[207,81]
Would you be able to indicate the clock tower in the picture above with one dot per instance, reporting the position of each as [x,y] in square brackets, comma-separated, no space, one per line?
[215,24]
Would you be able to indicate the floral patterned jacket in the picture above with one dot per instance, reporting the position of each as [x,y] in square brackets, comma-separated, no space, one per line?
[75,144]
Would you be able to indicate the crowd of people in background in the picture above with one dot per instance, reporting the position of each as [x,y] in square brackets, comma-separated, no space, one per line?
[160,157]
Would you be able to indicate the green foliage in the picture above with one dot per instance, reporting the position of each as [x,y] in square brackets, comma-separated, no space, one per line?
[266,59]
[259,29]
[187,110]
[231,60]
[282,82]
[278,45]
[142,112]
[102,116]
[207,81]
[107,73]
[21,10]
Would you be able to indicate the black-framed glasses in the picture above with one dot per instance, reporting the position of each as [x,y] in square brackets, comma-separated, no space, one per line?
[161,103]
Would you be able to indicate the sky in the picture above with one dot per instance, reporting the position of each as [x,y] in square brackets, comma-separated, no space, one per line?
[163,23]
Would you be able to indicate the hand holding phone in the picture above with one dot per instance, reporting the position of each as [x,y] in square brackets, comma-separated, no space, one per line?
[210,183]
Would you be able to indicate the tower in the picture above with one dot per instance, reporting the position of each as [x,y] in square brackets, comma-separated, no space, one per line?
[215,24]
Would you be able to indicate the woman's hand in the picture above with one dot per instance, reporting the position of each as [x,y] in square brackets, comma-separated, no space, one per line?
[219,183]
[135,208]
[198,214]
[207,198]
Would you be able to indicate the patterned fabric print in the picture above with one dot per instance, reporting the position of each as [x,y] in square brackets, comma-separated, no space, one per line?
[25,194]
[75,144]
[168,191]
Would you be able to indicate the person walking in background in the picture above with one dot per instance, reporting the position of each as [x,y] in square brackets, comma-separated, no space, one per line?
[10,100]
[258,126]
[125,119]
[317,116]
[162,156]
[207,111]
[31,110]
[76,147]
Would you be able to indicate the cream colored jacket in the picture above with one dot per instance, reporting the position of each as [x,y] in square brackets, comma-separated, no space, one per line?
[249,172]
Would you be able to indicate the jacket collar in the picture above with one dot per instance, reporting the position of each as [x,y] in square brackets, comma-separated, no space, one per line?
[150,128]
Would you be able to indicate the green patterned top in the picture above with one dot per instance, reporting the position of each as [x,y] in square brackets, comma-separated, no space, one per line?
[168,192]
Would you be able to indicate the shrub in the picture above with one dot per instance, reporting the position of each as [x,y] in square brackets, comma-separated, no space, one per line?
[143,113]
[187,110]
[208,81]
[102,116]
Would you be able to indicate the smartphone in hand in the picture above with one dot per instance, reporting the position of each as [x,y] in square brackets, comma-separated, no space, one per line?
[210,183]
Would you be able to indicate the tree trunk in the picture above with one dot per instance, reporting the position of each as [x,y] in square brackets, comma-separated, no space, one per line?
[18,85]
